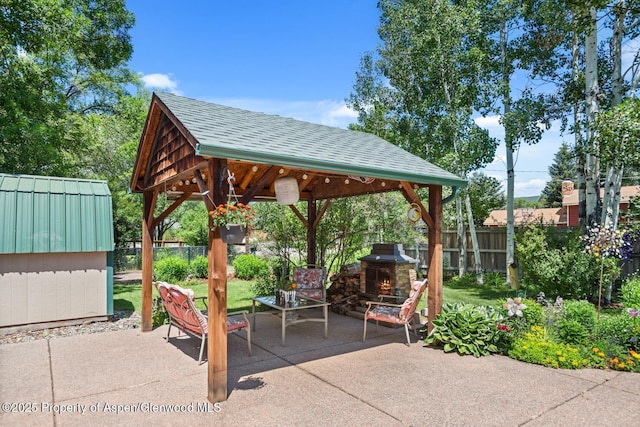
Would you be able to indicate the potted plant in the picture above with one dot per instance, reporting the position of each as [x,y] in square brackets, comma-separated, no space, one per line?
[233,219]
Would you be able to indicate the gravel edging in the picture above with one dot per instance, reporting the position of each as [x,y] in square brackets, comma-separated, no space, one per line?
[119,321]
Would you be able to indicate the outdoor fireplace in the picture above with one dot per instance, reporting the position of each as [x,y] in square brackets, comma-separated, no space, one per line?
[386,271]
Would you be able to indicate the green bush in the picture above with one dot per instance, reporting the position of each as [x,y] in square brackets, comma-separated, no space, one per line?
[159,315]
[572,332]
[534,313]
[248,267]
[534,347]
[264,285]
[554,262]
[468,280]
[172,269]
[630,291]
[618,330]
[582,312]
[466,329]
[199,267]
[494,280]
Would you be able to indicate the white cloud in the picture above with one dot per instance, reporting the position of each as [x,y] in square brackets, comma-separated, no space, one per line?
[532,187]
[324,112]
[161,81]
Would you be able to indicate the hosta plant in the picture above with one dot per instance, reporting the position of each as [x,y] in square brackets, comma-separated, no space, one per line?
[466,329]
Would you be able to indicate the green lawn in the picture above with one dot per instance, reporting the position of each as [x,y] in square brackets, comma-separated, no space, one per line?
[129,297]
[478,295]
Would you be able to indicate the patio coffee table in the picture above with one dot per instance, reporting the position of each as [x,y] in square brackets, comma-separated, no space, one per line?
[285,310]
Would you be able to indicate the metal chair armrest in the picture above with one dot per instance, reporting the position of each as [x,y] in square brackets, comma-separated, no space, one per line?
[388,304]
[394,297]
[204,301]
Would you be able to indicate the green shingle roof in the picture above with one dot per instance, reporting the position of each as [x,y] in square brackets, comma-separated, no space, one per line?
[232,133]
[50,214]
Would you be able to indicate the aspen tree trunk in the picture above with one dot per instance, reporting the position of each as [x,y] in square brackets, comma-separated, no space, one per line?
[592,90]
[508,140]
[462,239]
[474,240]
[581,184]
[611,200]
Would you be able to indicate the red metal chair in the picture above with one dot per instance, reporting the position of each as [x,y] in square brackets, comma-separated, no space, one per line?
[399,314]
[184,315]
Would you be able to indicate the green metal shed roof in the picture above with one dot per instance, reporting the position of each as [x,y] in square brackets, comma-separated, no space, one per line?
[50,214]
[232,133]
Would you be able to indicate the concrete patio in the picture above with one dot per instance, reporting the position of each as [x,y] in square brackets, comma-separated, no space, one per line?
[130,378]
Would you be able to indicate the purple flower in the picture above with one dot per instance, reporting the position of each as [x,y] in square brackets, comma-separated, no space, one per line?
[633,312]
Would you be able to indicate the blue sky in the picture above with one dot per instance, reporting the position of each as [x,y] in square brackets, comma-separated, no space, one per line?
[293,58]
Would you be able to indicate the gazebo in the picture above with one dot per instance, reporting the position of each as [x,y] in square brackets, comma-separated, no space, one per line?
[188,148]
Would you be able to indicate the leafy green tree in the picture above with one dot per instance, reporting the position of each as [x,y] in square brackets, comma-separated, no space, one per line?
[486,194]
[619,132]
[194,224]
[562,168]
[421,91]
[108,153]
[58,62]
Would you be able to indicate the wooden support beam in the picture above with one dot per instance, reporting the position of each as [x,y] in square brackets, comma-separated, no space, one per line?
[148,204]
[267,177]
[435,254]
[300,216]
[323,209]
[247,178]
[412,197]
[305,182]
[203,188]
[217,292]
[311,233]
[171,208]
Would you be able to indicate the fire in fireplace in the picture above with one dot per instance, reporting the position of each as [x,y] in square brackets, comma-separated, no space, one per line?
[386,271]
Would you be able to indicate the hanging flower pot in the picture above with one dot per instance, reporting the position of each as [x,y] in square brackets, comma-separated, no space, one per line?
[232,233]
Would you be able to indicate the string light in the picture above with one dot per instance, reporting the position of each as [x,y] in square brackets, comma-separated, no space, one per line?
[327,180]
[305,176]
[346,181]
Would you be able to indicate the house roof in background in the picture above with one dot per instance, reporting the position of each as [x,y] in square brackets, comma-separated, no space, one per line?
[525,216]
[625,193]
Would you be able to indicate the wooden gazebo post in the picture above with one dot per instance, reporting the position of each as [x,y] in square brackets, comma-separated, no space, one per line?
[149,201]
[435,254]
[217,284]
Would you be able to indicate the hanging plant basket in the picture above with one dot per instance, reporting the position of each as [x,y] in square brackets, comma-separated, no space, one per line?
[232,233]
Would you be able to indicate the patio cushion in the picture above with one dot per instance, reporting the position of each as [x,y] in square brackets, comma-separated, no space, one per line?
[310,283]
[385,313]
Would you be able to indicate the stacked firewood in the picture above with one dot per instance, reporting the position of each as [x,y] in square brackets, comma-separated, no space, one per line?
[344,293]
[343,285]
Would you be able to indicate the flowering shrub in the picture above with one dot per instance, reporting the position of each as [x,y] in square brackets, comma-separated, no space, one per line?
[535,347]
[514,307]
[622,361]
[603,242]
[232,213]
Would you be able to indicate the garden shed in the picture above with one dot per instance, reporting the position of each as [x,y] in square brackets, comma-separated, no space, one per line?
[189,149]
[56,251]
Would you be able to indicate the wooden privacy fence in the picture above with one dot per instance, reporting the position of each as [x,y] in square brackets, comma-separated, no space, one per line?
[493,250]
[493,243]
